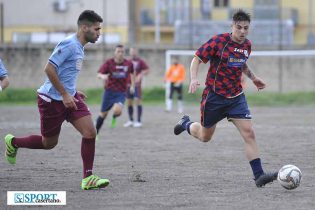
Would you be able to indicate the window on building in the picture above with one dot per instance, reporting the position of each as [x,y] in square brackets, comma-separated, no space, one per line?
[221,3]
[266,2]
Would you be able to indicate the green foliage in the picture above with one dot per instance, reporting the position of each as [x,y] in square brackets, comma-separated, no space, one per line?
[18,96]
[156,95]
[281,99]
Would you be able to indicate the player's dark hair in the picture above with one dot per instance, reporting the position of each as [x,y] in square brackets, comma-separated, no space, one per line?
[119,46]
[241,15]
[89,17]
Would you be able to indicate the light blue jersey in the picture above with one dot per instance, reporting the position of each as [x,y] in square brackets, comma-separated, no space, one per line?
[67,58]
[3,71]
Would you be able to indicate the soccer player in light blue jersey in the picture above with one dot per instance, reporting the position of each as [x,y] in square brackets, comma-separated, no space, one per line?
[4,79]
[58,100]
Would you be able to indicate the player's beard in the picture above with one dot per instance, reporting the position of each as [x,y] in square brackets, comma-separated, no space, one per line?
[90,37]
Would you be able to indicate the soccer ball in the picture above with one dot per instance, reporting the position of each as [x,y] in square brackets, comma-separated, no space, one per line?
[289,176]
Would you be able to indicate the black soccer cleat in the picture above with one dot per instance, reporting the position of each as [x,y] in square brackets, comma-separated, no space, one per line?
[179,128]
[266,178]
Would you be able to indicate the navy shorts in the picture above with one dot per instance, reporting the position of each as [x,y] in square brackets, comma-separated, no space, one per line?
[215,107]
[110,98]
[136,94]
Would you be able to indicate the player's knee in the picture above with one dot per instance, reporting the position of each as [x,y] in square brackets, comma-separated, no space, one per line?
[249,133]
[90,133]
[103,115]
[50,145]
[50,142]
[117,113]
[205,138]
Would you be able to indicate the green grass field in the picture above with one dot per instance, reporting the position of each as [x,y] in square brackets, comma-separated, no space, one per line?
[156,95]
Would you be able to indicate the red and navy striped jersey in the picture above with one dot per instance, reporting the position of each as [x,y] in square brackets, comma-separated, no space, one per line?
[138,66]
[118,74]
[227,59]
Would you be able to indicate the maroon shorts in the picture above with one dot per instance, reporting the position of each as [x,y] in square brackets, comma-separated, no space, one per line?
[52,114]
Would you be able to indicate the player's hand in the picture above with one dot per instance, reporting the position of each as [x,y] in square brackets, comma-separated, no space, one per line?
[69,101]
[194,84]
[82,95]
[103,76]
[132,89]
[259,83]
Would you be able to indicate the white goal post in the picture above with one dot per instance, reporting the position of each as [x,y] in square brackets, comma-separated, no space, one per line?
[295,54]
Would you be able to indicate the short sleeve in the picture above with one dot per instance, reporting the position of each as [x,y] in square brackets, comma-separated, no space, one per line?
[60,54]
[104,69]
[143,65]
[207,50]
[131,70]
[3,70]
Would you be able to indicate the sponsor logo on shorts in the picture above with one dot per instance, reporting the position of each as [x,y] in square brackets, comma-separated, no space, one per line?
[248,116]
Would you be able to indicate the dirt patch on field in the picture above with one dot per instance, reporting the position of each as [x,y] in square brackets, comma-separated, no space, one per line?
[150,168]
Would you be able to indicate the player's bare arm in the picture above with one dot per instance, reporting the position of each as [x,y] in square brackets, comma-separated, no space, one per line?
[144,73]
[194,82]
[141,75]
[248,72]
[67,99]
[259,83]
[4,83]
[102,76]
[132,85]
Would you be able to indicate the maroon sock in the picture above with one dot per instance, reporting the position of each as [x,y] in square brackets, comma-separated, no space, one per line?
[31,142]
[87,154]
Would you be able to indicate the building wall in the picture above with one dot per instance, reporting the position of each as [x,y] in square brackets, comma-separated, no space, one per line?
[39,15]
[301,30]
[26,68]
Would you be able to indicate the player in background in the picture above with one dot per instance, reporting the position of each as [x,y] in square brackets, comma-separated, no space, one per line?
[176,75]
[115,73]
[4,78]
[141,69]
[223,95]
[59,100]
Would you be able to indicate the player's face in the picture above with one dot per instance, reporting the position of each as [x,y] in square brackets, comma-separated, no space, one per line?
[175,61]
[133,52]
[92,32]
[119,54]
[240,31]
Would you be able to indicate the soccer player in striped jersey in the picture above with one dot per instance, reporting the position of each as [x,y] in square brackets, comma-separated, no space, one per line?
[223,96]
[115,72]
[59,100]
[4,78]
